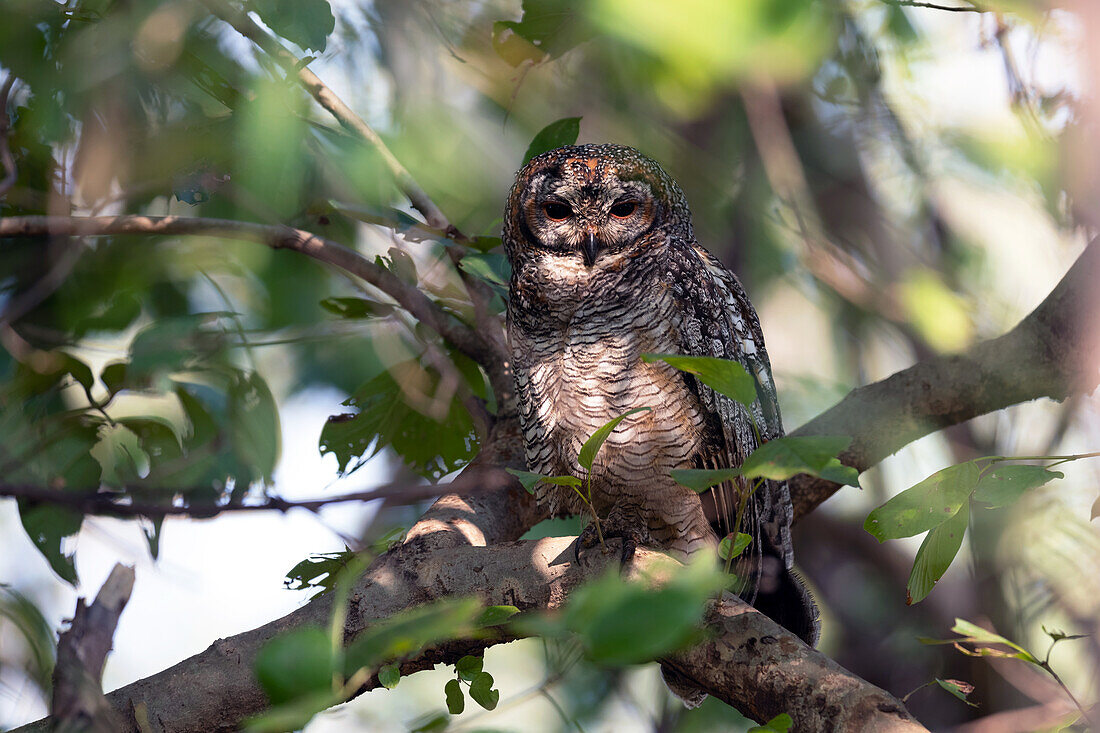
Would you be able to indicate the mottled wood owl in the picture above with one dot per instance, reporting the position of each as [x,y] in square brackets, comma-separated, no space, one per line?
[606,268]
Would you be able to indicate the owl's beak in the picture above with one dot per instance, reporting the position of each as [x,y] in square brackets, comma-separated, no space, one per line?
[590,248]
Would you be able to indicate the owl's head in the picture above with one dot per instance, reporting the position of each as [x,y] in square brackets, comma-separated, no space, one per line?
[587,201]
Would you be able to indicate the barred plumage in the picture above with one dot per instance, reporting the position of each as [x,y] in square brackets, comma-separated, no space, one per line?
[605,268]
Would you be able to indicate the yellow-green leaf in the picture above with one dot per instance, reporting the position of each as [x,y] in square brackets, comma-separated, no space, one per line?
[592,446]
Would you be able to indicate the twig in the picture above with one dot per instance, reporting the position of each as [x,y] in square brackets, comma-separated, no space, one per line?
[109,503]
[480,294]
[6,158]
[972,8]
[407,296]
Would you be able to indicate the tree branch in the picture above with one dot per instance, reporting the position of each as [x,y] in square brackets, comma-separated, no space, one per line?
[971,8]
[751,662]
[7,160]
[78,702]
[408,296]
[479,292]
[1054,352]
[106,503]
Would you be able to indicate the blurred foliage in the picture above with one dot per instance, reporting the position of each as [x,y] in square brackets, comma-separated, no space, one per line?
[877,213]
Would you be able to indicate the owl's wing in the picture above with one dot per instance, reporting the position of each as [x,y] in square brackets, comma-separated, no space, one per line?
[717,319]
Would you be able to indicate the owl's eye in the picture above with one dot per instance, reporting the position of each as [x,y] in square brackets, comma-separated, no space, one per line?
[623,209]
[557,210]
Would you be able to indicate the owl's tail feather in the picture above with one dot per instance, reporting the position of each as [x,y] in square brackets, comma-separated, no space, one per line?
[681,687]
[783,597]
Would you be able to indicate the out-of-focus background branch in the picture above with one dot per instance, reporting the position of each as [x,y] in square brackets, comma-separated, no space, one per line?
[893,181]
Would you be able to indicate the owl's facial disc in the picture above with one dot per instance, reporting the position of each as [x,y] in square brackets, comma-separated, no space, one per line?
[587,215]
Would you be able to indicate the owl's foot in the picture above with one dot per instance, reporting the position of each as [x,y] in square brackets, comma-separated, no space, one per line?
[625,523]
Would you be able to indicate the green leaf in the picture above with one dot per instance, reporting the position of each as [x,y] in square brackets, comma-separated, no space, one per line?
[513,47]
[974,634]
[622,623]
[482,692]
[292,715]
[555,135]
[389,675]
[701,479]
[779,724]
[122,310]
[495,616]
[1003,485]
[430,447]
[172,345]
[254,423]
[49,526]
[592,446]
[485,244]
[1059,635]
[408,632]
[547,29]
[958,688]
[527,479]
[722,375]
[306,23]
[1095,509]
[492,267]
[357,307]
[296,664]
[113,377]
[151,530]
[318,571]
[936,554]
[430,723]
[456,701]
[790,455]
[729,549]
[469,667]
[924,506]
[562,480]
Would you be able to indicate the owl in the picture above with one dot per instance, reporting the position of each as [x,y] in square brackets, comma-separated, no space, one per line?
[606,268]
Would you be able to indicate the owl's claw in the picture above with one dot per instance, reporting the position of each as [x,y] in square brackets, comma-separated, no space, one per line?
[624,524]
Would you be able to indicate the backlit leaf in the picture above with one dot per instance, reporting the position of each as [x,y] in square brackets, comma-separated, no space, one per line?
[701,479]
[389,675]
[729,548]
[790,455]
[936,554]
[924,506]
[555,135]
[1003,485]
[592,446]
[307,23]
[295,664]
[722,375]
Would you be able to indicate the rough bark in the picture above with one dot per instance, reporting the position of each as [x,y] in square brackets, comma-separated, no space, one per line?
[751,663]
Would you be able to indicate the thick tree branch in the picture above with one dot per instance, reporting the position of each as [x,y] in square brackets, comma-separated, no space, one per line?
[1054,352]
[408,296]
[750,663]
